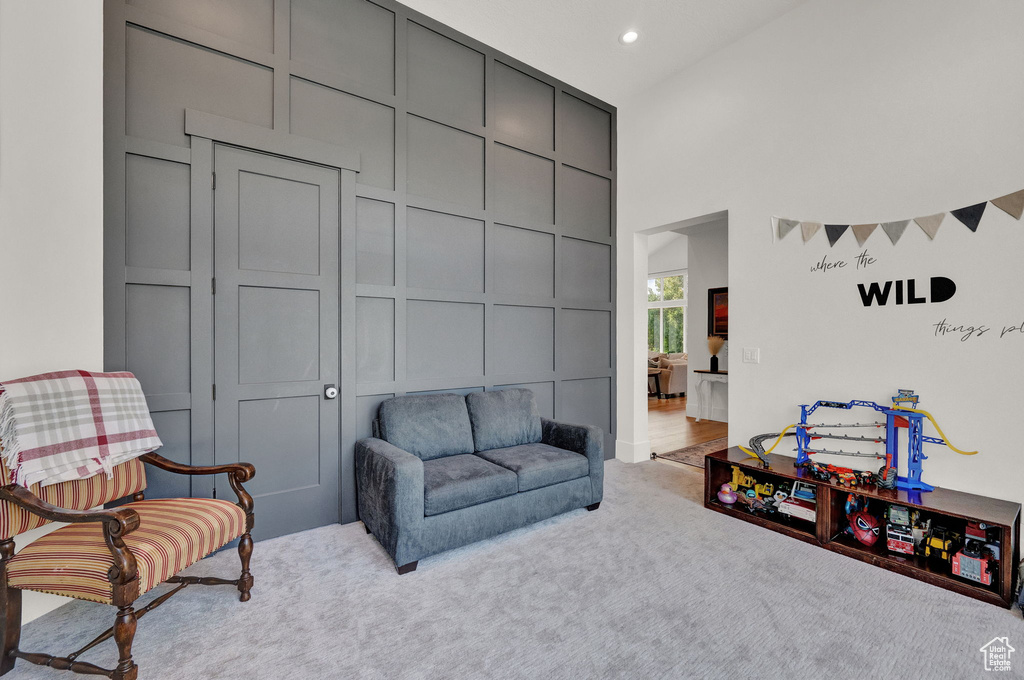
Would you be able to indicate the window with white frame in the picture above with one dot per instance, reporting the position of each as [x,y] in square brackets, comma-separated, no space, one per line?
[666,312]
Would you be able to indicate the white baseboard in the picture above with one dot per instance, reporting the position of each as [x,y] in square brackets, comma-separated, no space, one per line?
[632,452]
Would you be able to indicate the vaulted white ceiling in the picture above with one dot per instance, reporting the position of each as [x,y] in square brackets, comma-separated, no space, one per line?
[577,41]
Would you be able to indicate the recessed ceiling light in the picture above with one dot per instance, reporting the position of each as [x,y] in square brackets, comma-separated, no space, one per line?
[629,37]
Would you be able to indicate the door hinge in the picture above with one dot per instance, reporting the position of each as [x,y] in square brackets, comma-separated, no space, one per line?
[214,185]
[213,286]
[215,392]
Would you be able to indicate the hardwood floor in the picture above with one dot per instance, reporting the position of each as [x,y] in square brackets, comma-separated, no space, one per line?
[669,429]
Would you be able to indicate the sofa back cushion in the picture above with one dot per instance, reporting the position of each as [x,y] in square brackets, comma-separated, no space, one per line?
[504,418]
[427,425]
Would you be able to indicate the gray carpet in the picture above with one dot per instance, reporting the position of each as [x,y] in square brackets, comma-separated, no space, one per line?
[649,586]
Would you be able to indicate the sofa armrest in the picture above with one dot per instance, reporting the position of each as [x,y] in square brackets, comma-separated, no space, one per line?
[390,490]
[586,440]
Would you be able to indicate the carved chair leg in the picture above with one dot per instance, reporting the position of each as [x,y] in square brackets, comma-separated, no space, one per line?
[10,602]
[124,633]
[245,552]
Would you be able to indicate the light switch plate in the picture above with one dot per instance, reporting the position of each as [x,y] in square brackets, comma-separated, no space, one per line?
[751,355]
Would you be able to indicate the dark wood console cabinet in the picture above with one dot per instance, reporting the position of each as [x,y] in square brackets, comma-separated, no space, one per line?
[952,508]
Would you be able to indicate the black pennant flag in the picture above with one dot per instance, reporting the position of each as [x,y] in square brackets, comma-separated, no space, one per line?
[834,231]
[970,216]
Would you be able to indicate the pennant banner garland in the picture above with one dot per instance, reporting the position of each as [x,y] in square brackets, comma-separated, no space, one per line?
[970,217]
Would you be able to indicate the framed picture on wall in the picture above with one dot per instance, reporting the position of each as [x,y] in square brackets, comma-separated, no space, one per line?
[718,312]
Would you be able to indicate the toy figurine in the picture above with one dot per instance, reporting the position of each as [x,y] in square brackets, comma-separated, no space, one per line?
[726,494]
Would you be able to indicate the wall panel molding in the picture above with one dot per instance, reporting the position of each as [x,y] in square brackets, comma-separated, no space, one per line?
[477,245]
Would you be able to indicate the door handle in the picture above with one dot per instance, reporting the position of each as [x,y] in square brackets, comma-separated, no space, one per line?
[330,392]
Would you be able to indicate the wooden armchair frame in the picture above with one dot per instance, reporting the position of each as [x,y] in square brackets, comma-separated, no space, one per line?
[123,574]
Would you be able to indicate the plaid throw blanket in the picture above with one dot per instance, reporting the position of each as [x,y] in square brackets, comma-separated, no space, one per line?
[55,427]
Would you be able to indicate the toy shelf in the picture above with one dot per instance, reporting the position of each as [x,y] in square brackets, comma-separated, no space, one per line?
[950,508]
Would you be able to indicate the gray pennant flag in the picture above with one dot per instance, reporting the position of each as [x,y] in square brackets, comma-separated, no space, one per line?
[809,229]
[834,232]
[1012,204]
[786,226]
[862,231]
[930,225]
[895,229]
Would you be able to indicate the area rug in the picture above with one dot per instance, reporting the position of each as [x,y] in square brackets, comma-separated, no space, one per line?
[694,455]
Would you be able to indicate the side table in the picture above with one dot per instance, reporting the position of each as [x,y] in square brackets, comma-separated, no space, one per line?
[705,380]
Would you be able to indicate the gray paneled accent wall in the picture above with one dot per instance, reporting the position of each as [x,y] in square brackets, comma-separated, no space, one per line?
[478,240]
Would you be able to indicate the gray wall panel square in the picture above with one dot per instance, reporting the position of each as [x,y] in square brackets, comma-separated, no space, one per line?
[585,133]
[245,21]
[522,340]
[523,262]
[444,339]
[267,430]
[375,242]
[444,252]
[444,76]
[278,334]
[166,76]
[584,340]
[586,401]
[278,224]
[455,390]
[523,187]
[157,213]
[544,392]
[366,413]
[375,339]
[352,37]
[175,430]
[353,122]
[585,204]
[586,271]
[445,163]
[157,321]
[524,107]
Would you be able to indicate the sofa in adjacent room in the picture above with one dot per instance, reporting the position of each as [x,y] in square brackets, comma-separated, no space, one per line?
[672,379]
[444,470]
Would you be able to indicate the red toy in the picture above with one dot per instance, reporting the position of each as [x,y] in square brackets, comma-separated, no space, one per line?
[863,525]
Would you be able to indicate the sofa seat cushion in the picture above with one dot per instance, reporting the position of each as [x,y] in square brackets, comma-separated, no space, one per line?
[539,465]
[427,425]
[456,482]
[173,533]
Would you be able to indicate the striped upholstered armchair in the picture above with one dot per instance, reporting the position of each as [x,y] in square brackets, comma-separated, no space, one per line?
[113,556]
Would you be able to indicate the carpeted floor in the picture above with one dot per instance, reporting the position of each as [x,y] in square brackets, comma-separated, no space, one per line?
[694,455]
[649,586]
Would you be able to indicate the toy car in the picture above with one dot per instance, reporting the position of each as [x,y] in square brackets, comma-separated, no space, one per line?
[980,567]
[899,530]
[801,503]
[941,542]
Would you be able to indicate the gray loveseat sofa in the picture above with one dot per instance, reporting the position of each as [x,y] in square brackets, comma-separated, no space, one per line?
[444,470]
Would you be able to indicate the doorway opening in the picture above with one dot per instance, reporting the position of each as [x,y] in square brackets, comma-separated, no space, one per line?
[687,302]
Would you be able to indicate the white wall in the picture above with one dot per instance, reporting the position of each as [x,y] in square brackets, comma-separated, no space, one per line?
[51,194]
[709,257]
[667,252]
[852,112]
